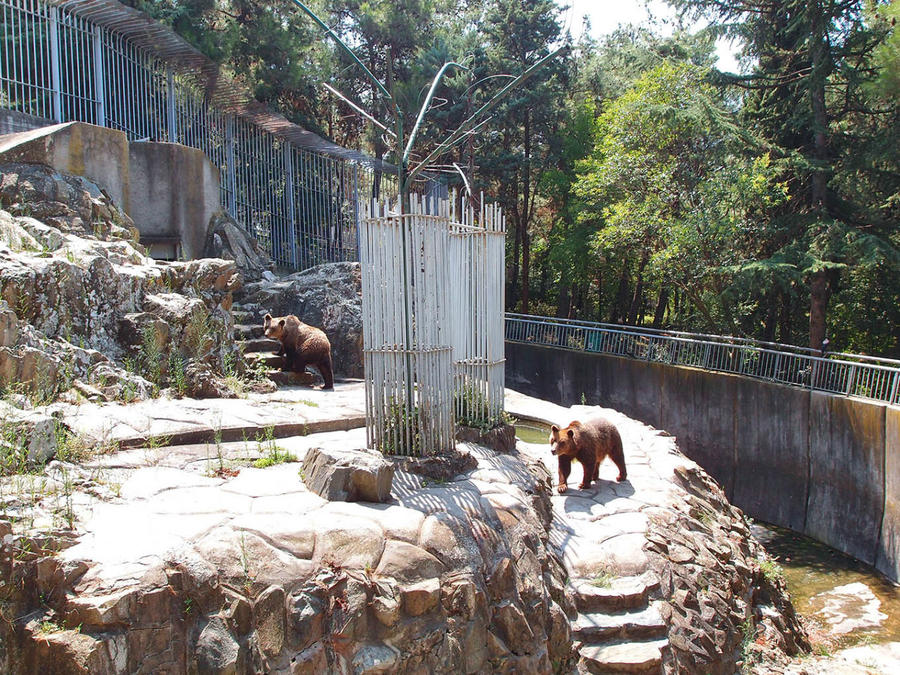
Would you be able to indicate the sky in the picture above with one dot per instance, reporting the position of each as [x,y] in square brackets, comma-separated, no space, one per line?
[606,15]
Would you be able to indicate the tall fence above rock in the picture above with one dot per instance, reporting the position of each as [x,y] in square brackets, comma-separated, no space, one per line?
[100,62]
[432,286]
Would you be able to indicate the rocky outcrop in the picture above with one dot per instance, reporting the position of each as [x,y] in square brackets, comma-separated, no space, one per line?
[82,306]
[453,577]
[227,240]
[327,296]
[726,607]
[348,475]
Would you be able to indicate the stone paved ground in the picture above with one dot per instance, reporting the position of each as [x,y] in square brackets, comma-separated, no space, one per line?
[202,507]
[288,411]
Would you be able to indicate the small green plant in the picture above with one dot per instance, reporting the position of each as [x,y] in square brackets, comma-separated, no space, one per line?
[583,399]
[274,455]
[602,579]
[188,606]
[748,633]
[151,354]
[402,435]
[771,570]
[197,334]
[49,626]
[71,447]
[177,378]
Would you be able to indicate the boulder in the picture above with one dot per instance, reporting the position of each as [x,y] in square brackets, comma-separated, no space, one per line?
[348,475]
[501,438]
[226,239]
[327,296]
[27,437]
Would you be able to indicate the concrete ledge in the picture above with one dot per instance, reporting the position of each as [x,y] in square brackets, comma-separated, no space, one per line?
[824,465]
[169,190]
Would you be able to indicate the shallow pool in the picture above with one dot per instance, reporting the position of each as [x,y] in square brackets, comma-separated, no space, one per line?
[532,432]
[849,599]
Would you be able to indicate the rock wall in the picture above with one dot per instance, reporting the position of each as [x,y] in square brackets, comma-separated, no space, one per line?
[328,296]
[82,305]
[457,577]
[786,455]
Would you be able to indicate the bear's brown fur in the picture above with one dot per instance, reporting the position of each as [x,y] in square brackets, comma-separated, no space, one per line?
[302,345]
[590,442]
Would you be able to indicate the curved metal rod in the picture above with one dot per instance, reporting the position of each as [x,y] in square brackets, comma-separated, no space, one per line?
[424,109]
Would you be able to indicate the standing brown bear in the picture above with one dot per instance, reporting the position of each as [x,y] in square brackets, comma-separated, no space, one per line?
[302,345]
[590,442]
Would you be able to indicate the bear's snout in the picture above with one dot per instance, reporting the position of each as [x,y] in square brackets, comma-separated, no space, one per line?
[553,449]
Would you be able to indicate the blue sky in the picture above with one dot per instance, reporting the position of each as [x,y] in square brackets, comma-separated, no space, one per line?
[606,15]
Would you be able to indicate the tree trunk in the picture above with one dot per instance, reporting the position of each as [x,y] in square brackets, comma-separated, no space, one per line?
[819,289]
[526,213]
[819,294]
[618,309]
[637,300]
[661,304]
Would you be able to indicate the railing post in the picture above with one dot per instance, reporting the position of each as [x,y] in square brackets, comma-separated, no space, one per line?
[170,106]
[99,83]
[55,81]
[289,191]
[229,170]
[895,388]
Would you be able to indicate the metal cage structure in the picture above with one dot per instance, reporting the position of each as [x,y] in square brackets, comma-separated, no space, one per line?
[432,322]
[100,62]
[477,243]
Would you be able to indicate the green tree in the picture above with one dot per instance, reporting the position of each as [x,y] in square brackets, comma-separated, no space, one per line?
[670,186]
[810,96]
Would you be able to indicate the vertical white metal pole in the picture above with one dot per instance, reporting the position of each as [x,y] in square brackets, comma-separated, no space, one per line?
[170,103]
[54,64]
[229,176]
[99,84]
[291,210]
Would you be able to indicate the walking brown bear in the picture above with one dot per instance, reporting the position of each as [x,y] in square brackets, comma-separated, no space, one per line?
[590,442]
[302,345]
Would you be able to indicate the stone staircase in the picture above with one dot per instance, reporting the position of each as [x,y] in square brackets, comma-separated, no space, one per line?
[259,351]
[618,628]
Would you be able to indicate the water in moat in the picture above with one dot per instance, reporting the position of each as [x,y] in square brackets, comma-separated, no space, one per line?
[848,600]
[532,432]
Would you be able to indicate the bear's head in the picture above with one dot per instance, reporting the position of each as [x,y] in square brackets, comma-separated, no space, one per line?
[274,326]
[562,441]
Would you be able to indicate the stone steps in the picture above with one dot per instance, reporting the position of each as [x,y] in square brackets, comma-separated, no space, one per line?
[618,628]
[642,657]
[621,593]
[267,359]
[260,344]
[644,622]
[245,331]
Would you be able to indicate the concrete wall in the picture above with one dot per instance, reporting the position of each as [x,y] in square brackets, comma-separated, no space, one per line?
[170,191]
[824,465]
[97,153]
[12,121]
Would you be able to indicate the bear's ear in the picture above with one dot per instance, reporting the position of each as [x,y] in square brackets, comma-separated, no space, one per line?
[554,429]
[281,323]
[571,434]
[267,318]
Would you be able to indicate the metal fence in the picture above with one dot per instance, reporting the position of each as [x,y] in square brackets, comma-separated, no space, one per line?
[81,60]
[432,307]
[847,374]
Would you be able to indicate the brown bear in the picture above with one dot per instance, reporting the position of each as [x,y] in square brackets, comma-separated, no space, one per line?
[301,345]
[590,442]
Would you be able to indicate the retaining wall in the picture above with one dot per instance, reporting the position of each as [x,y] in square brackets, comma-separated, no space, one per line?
[821,464]
[170,191]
